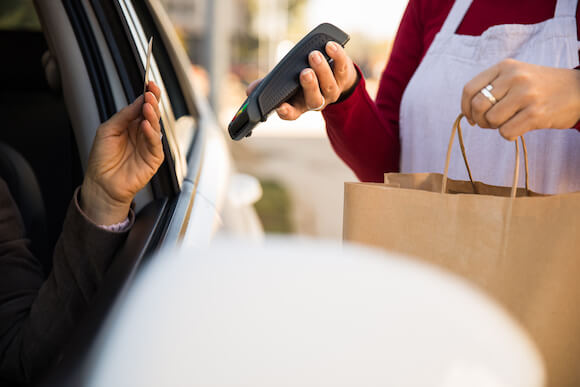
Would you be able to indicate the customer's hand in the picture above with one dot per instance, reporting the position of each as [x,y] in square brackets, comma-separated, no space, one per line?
[321,84]
[528,97]
[126,153]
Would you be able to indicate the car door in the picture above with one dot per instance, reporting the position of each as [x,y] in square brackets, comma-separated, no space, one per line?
[100,48]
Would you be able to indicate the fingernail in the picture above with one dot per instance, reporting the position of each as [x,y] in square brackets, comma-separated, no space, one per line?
[332,46]
[307,74]
[316,57]
[282,111]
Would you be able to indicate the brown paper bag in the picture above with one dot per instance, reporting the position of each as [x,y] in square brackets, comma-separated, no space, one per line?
[524,251]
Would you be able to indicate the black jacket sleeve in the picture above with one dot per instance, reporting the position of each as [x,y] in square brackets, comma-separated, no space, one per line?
[36,317]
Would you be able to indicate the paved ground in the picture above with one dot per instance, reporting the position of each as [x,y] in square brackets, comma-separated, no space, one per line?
[299,156]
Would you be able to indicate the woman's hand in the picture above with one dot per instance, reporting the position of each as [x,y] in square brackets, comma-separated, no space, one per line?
[126,153]
[528,97]
[321,84]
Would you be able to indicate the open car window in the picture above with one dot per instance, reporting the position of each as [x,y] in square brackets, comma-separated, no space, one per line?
[174,68]
[141,38]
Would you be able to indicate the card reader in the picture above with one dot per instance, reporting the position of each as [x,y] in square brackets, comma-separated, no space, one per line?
[283,81]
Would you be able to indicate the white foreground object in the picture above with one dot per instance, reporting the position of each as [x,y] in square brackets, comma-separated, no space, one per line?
[298,312]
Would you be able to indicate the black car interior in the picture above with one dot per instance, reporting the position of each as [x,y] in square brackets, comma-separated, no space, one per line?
[23,184]
[35,125]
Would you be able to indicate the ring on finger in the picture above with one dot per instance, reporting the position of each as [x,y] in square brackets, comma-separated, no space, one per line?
[486,91]
[319,108]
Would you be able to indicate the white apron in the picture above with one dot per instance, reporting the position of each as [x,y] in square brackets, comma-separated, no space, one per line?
[432,99]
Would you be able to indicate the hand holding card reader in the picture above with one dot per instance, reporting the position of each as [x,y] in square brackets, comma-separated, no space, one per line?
[283,81]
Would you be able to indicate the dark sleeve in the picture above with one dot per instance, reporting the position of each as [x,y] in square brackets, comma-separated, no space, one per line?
[36,317]
[365,134]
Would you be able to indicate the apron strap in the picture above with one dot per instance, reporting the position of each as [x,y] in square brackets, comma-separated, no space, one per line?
[566,8]
[455,16]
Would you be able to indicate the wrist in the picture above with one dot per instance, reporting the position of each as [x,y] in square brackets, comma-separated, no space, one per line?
[99,206]
[350,89]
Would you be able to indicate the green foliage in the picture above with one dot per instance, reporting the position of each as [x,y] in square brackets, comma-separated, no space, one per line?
[274,208]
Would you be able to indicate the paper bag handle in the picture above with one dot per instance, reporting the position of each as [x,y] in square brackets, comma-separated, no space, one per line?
[457,128]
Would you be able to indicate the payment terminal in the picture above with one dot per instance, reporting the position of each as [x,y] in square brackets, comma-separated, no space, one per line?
[283,81]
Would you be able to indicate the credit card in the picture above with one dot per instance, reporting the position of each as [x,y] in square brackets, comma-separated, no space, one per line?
[147,65]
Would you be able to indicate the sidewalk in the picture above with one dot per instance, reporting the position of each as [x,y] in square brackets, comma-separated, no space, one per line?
[299,156]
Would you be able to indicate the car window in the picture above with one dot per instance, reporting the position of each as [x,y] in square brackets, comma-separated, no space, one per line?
[169,90]
[177,83]
[138,41]
[166,68]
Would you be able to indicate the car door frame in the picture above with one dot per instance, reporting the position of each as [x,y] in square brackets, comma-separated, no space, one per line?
[93,91]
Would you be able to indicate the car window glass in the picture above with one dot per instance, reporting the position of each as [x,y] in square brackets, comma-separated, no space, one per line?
[18,15]
[163,62]
[168,70]
[128,47]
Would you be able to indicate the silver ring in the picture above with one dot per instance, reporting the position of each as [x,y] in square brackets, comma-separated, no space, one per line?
[321,106]
[486,91]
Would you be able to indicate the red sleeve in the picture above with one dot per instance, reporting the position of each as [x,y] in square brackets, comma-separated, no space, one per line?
[363,133]
[361,136]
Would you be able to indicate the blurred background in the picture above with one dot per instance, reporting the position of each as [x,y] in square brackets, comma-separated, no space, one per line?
[233,42]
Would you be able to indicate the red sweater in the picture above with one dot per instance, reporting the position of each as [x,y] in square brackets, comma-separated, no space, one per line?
[364,133]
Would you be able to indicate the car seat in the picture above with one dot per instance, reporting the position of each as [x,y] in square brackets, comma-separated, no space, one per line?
[25,190]
[36,124]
